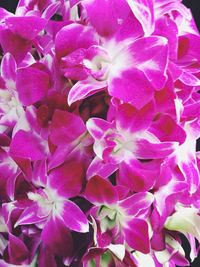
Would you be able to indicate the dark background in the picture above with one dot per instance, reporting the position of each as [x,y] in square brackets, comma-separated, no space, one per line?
[194,5]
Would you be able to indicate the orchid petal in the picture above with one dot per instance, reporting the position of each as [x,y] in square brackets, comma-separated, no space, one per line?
[143,10]
[100,191]
[136,235]
[78,222]
[185,220]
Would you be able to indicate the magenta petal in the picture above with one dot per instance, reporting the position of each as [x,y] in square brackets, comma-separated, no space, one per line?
[85,88]
[8,69]
[46,257]
[101,168]
[27,27]
[189,79]
[147,150]
[136,235]
[136,203]
[131,119]
[166,27]
[4,13]
[73,217]
[100,191]
[167,129]
[65,127]
[144,12]
[27,145]
[109,13]
[138,176]
[17,251]
[32,84]
[50,10]
[30,216]
[191,172]
[14,44]
[74,2]
[65,44]
[67,179]
[131,86]
[153,59]
[57,237]
[98,127]
[158,240]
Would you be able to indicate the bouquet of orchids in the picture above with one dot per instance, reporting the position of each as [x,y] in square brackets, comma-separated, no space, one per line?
[99,118]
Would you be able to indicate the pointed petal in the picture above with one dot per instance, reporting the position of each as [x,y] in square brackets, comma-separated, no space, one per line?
[110,13]
[98,127]
[136,235]
[153,59]
[167,129]
[144,12]
[17,250]
[185,220]
[167,28]
[8,70]
[30,216]
[189,79]
[32,84]
[65,127]
[50,10]
[131,86]
[78,222]
[129,118]
[46,257]
[67,179]
[27,27]
[100,168]
[137,203]
[148,150]
[84,89]
[64,42]
[27,145]
[60,239]
[100,191]
[137,176]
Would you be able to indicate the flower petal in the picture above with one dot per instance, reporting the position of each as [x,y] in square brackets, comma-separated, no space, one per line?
[65,127]
[136,235]
[110,13]
[64,42]
[78,222]
[84,89]
[27,27]
[67,179]
[32,84]
[17,250]
[137,203]
[27,145]
[147,150]
[144,12]
[131,86]
[8,70]
[185,220]
[60,239]
[100,191]
[129,118]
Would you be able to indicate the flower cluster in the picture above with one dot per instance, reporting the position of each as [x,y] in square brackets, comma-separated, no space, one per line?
[99,118]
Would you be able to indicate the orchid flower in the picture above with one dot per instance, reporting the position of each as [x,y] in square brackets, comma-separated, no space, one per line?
[120,216]
[99,134]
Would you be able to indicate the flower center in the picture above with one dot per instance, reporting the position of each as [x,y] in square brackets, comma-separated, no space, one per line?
[7,101]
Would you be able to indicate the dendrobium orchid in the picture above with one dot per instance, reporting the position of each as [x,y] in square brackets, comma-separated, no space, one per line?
[126,218]
[99,130]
